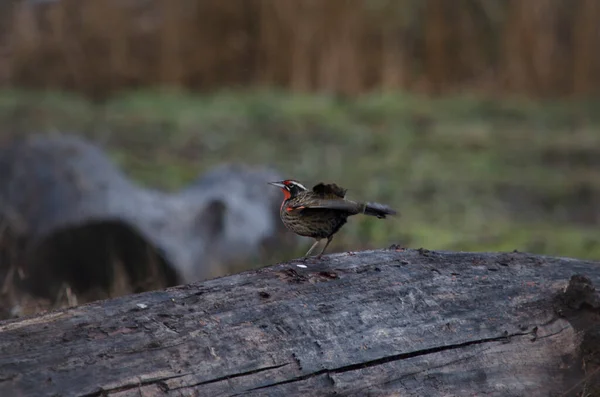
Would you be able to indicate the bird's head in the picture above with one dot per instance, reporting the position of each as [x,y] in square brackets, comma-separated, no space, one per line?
[289,187]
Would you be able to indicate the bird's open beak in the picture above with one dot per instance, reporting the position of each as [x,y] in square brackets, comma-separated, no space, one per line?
[278,184]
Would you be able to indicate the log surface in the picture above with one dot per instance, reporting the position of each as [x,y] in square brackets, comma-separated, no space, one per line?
[388,322]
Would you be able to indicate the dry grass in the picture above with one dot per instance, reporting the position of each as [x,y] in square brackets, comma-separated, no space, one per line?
[542,47]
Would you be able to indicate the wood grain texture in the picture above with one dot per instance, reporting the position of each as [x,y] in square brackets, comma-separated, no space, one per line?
[389,322]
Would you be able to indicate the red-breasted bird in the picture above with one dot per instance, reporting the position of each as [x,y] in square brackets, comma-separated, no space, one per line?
[319,213]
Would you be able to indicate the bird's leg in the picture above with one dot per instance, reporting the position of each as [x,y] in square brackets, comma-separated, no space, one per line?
[326,244]
[312,247]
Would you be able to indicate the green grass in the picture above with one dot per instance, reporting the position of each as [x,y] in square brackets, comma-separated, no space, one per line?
[466,173]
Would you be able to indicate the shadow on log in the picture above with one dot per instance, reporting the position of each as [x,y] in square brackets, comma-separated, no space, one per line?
[73,225]
[388,322]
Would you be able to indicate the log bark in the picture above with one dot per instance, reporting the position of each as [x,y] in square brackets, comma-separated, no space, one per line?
[387,322]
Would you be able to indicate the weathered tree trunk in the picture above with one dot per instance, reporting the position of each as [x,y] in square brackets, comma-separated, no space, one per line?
[69,217]
[389,322]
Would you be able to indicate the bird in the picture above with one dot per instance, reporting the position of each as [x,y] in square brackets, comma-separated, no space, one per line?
[321,212]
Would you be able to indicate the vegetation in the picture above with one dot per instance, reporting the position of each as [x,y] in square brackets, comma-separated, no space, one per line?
[465,173]
[540,48]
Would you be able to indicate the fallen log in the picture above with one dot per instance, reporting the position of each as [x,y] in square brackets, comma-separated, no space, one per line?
[387,322]
[74,224]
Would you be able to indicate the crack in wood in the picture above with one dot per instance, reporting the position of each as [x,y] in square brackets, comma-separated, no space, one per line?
[102,391]
[231,376]
[162,384]
[411,374]
[396,357]
[535,337]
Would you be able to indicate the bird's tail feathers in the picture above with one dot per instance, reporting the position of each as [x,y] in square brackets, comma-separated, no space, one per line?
[378,210]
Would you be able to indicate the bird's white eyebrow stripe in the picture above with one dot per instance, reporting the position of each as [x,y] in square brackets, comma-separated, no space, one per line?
[300,185]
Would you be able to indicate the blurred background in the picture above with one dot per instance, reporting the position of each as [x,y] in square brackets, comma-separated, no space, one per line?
[476,119]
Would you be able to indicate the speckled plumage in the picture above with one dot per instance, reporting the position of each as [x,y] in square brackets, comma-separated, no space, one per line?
[321,212]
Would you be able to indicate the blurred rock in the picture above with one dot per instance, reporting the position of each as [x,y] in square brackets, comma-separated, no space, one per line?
[72,222]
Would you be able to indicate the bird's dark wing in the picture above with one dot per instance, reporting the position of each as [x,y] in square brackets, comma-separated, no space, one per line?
[329,204]
[329,190]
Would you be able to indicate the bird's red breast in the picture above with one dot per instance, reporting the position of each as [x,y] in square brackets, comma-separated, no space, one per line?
[286,196]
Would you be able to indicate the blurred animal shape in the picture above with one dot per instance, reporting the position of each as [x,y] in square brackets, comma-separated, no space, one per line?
[73,217]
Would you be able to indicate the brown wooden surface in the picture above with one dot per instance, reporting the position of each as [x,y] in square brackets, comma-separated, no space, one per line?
[387,322]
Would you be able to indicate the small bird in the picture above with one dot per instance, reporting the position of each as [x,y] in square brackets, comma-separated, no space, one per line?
[319,213]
